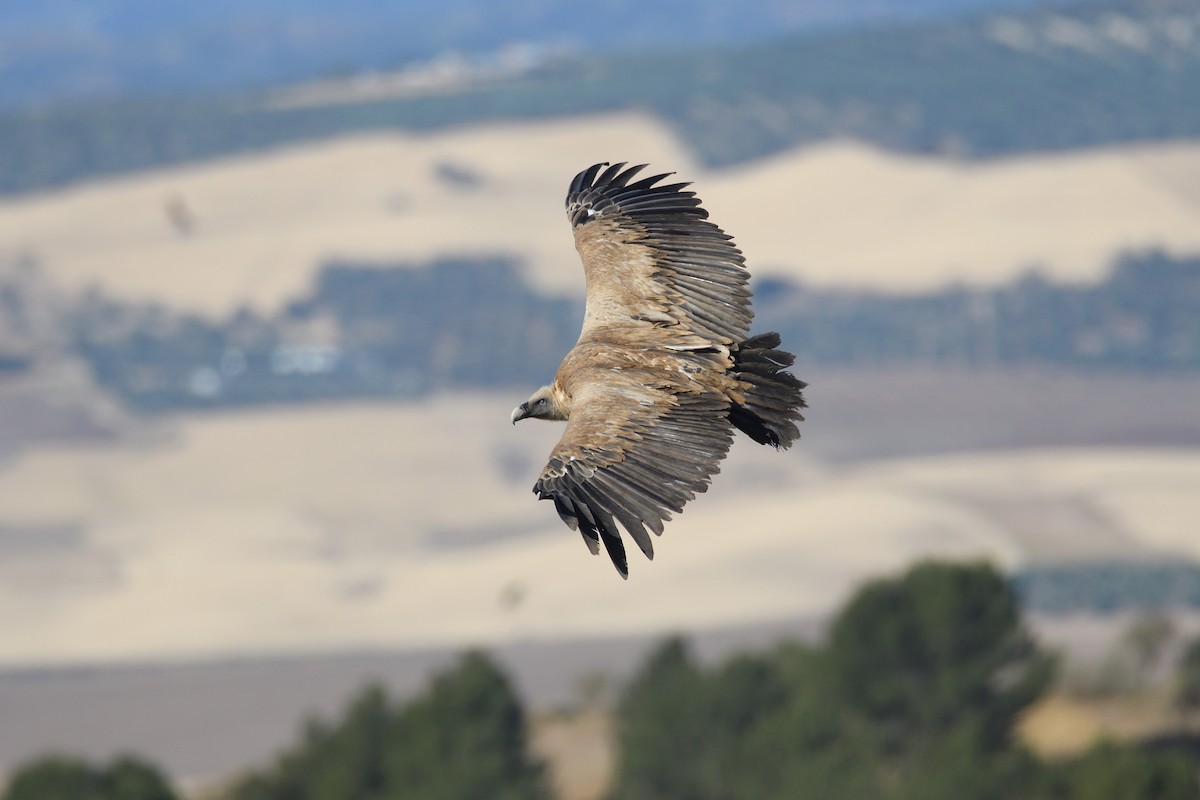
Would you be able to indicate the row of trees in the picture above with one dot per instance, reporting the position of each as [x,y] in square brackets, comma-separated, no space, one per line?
[1108,586]
[64,778]
[915,696]
[464,737]
[364,331]
[1145,315]
[403,330]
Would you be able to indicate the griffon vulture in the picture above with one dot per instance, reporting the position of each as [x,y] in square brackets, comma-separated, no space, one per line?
[665,367]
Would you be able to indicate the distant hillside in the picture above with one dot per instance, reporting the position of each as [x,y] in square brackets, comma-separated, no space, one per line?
[402,331]
[994,85]
[1047,79]
[51,52]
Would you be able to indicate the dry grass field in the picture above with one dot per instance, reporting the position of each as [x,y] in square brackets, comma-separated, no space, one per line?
[314,528]
[1062,725]
[578,751]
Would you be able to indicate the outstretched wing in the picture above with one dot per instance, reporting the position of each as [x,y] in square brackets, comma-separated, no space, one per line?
[633,452]
[651,256]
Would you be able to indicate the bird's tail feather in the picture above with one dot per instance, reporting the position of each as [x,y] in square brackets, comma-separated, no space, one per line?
[775,397]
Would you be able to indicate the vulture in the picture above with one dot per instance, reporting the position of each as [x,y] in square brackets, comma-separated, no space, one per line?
[664,369]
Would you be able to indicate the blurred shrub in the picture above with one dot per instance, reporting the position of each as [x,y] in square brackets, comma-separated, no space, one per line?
[915,697]
[463,738]
[63,778]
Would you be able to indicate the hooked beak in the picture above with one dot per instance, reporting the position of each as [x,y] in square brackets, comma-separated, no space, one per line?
[520,413]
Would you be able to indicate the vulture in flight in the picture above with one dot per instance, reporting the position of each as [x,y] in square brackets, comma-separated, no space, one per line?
[665,368]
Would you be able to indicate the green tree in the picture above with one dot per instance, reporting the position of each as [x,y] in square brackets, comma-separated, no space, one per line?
[662,729]
[1146,639]
[957,767]
[130,778]
[1120,772]
[736,699]
[941,647]
[759,726]
[340,761]
[65,778]
[465,737]
[806,745]
[1187,677]
[55,778]
[914,698]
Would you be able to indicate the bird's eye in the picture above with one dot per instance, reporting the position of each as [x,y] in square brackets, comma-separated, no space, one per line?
[541,403]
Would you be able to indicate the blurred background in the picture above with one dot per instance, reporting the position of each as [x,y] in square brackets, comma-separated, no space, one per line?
[273,275]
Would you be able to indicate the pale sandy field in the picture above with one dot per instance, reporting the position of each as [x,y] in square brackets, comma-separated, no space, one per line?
[314,529]
[835,213]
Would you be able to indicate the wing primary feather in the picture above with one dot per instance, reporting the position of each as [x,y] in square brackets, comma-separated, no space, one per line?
[615,505]
[677,203]
[616,552]
[648,183]
[621,180]
[612,543]
[584,179]
[606,177]
[566,510]
[587,526]
[589,538]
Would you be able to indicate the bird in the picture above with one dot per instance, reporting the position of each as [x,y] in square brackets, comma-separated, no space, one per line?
[664,370]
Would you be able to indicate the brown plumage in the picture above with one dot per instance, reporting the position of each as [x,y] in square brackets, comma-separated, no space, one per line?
[664,369]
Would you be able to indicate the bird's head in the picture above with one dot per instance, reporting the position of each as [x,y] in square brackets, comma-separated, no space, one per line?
[542,405]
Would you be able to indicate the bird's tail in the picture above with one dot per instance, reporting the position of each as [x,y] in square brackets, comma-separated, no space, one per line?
[775,397]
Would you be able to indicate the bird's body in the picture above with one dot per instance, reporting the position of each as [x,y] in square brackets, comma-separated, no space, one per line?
[664,369]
